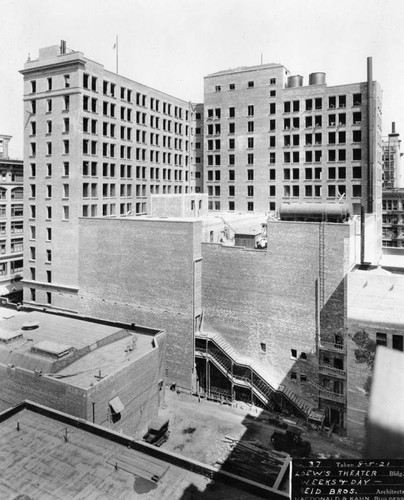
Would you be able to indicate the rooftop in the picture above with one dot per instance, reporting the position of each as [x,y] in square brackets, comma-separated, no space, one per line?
[386,421]
[242,69]
[376,296]
[48,454]
[68,348]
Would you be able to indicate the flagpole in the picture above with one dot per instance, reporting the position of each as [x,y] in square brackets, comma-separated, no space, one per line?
[116,43]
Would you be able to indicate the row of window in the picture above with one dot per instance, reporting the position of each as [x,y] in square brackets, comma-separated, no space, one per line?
[48,84]
[310,191]
[49,105]
[16,210]
[393,204]
[17,193]
[16,246]
[16,266]
[317,103]
[15,228]
[334,155]
[250,85]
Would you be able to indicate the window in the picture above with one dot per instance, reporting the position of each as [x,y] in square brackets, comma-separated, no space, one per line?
[48,298]
[293,376]
[250,110]
[356,154]
[308,191]
[272,191]
[272,174]
[250,191]
[250,206]
[293,353]
[250,142]
[357,99]
[263,347]
[65,213]
[356,191]
[218,88]
[331,191]
[49,82]
[250,158]
[67,81]
[357,136]
[250,175]
[398,342]
[381,339]
[250,126]
[356,172]
[250,84]
[48,234]
[303,378]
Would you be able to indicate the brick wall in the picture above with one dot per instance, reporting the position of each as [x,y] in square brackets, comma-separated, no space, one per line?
[375,298]
[18,384]
[137,386]
[253,297]
[144,274]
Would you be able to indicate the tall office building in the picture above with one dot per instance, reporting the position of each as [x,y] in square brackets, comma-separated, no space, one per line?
[392,174]
[11,222]
[96,145]
[269,139]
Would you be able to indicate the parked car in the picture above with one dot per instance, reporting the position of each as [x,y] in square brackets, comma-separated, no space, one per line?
[291,442]
[157,432]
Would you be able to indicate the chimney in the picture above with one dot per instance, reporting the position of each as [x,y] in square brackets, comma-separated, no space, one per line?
[62,47]
[393,127]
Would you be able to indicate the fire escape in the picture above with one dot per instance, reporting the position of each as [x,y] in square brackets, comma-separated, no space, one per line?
[332,356]
[242,372]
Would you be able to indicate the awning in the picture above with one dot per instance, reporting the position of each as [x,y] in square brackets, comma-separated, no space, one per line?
[116,405]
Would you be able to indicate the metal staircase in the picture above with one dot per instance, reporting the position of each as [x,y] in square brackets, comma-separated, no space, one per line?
[244,372]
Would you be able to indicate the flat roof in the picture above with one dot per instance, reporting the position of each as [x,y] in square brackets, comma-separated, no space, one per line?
[242,69]
[48,454]
[59,338]
[376,296]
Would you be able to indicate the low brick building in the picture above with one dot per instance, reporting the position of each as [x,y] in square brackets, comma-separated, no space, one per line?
[109,374]
[375,311]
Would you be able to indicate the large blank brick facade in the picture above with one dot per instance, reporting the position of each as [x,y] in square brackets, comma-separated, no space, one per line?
[138,383]
[254,296]
[18,384]
[139,388]
[145,273]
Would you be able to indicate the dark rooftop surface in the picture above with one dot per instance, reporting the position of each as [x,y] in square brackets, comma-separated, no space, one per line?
[71,349]
[48,458]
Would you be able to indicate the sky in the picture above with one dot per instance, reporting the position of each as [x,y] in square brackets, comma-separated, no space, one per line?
[172,44]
